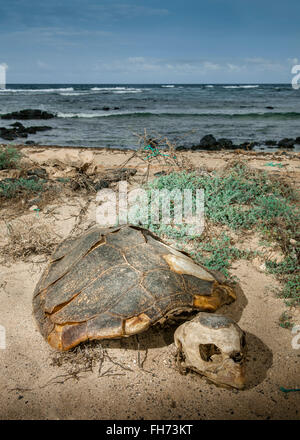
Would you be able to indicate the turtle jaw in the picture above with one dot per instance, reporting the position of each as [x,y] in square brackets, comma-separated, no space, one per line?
[229,375]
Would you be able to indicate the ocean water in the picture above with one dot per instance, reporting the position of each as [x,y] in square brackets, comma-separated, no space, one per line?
[182,113]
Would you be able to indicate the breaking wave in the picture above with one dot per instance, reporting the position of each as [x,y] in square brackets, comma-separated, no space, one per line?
[116,114]
[58,90]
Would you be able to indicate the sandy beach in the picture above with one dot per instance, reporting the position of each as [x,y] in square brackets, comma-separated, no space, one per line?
[138,378]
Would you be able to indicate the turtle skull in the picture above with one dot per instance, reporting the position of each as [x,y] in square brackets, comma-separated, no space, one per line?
[213,346]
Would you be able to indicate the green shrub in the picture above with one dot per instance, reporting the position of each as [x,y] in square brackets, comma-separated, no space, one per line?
[9,157]
[12,188]
[285,320]
[240,199]
[288,271]
[237,198]
[221,254]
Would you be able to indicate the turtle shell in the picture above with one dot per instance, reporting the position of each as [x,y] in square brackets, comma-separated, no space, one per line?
[112,283]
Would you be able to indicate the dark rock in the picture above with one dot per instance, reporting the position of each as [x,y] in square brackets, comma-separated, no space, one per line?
[28,114]
[297,140]
[182,148]
[269,107]
[286,143]
[43,128]
[105,108]
[11,134]
[160,173]
[270,142]
[19,131]
[17,125]
[225,143]
[8,135]
[208,141]
[34,130]
[247,145]
[30,143]
[31,130]
[22,134]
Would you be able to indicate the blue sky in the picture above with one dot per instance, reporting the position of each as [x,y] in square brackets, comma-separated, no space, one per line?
[139,41]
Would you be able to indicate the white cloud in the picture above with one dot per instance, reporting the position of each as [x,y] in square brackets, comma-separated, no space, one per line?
[256,60]
[234,67]
[144,64]
[211,66]
[264,64]
[194,70]
[136,60]
[293,61]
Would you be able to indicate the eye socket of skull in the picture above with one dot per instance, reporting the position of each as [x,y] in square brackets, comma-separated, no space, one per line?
[207,351]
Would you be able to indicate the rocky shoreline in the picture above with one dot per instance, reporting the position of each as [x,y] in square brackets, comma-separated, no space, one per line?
[19,131]
[206,143]
[210,143]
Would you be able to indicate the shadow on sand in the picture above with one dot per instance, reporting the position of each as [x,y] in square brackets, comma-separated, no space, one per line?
[259,356]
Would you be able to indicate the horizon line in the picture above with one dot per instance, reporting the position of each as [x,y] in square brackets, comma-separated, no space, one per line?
[155,83]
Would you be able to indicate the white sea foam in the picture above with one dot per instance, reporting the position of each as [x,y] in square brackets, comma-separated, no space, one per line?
[209,86]
[74,93]
[168,86]
[116,89]
[89,115]
[250,87]
[99,89]
[241,87]
[127,91]
[66,89]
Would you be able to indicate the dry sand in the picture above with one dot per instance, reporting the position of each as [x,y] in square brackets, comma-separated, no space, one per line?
[138,379]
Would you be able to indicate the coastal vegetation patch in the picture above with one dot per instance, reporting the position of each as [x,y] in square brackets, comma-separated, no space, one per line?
[239,200]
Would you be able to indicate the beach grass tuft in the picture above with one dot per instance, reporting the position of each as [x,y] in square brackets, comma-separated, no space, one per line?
[9,157]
